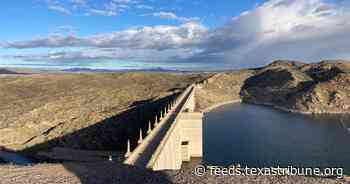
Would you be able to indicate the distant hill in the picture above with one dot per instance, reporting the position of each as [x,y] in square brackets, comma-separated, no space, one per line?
[5,71]
[88,70]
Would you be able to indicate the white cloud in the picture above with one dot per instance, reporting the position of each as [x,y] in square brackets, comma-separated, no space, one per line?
[59,9]
[126,1]
[173,16]
[158,37]
[95,54]
[101,12]
[308,30]
[145,7]
[84,7]
[81,2]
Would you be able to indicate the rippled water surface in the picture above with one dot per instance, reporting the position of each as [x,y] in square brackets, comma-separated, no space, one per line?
[259,136]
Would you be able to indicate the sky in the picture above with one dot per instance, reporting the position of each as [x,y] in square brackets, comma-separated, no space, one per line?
[171,34]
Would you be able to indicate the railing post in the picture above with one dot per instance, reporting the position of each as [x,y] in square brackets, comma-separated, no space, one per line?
[141,138]
[149,127]
[128,152]
[156,121]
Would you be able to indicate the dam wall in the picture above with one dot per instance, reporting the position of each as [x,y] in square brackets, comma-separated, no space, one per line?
[183,142]
[177,137]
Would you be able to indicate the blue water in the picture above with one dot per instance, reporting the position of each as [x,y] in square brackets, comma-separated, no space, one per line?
[259,136]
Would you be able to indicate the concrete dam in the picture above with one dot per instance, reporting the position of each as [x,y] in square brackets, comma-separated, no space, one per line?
[175,138]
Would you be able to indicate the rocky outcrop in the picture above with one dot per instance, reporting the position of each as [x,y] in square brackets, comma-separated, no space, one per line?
[306,88]
[329,96]
[274,85]
[288,85]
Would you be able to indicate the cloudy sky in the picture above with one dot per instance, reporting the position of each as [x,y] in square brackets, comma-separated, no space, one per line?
[173,34]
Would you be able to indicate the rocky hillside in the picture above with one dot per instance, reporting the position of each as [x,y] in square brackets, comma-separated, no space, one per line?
[90,111]
[221,88]
[289,85]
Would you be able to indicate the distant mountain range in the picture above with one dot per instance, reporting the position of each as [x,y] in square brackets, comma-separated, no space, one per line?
[5,71]
[120,70]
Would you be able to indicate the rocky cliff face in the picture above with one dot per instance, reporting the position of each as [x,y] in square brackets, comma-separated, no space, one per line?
[298,87]
[329,96]
[289,85]
[83,111]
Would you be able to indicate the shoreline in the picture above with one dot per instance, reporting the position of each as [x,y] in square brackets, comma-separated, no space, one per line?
[298,111]
[214,106]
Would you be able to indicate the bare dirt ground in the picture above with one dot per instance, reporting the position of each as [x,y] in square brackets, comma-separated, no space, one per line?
[116,173]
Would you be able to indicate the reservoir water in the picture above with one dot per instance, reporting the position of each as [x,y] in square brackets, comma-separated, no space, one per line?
[259,136]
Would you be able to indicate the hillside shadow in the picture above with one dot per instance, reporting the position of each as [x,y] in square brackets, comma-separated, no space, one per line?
[141,102]
[175,89]
[110,134]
